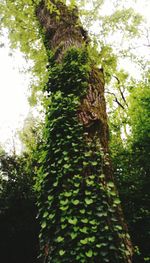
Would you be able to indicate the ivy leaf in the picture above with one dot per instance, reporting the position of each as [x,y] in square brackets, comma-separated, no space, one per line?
[89,253]
[73,221]
[60,239]
[64,202]
[45,214]
[94,163]
[43,224]
[88,154]
[85,164]
[65,153]
[51,216]
[117,201]
[83,230]
[88,201]
[110,184]
[62,252]
[82,211]
[66,158]
[89,182]
[67,194]
[93,222]
[91,239]
[84,241]
[84,220]
[55,184]
[76,202]
[88,192]
[69,137]
[50,197]
[64,208]
[63,226]
[113,193]
[66,166]
[73,235]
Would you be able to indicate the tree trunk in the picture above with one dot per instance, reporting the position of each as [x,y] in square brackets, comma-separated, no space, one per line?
[79,209]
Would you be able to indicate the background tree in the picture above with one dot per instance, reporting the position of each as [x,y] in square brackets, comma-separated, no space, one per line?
[131,164]
[19,228]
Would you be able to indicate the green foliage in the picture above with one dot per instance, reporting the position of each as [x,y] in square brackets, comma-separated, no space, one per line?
[18,226]
[132,168]
[31,135]
[19,21]
[25,33]
[77,208]
[123,20]
[139,111]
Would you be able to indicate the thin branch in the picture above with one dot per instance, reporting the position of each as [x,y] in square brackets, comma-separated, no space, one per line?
[121,92]
[116,100]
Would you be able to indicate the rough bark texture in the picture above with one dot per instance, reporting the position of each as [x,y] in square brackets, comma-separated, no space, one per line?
[61,33]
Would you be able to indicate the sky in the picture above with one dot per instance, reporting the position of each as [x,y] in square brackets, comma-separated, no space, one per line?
[14,106]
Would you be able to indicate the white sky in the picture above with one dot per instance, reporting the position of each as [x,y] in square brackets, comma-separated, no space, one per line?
[14,106]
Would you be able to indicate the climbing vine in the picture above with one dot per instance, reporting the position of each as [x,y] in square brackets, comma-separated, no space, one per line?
[77,206]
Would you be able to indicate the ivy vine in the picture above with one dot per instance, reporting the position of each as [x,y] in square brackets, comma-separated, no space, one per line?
[77,207]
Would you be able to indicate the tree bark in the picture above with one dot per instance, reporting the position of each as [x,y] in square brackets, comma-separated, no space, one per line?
[63,30]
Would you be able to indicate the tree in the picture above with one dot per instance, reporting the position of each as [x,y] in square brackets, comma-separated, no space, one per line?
[79,209]
[19,228]
[78,202]
[131,167]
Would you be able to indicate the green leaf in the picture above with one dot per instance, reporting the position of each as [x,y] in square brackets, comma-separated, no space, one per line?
[84,220]
[88,192]
[84,241]
[51,216]
[89,182]
[117,201]
[63,226]
[62,252]
[45,214]
[82,211]
[88,201]
[69,137]
[110,184]
[55,184]
[60,239]
[64,202]
[67,194]
[88,154]
[84,229]
[43,224]
[113,193]
[50,197]
[64,208]
[89,253]
[73,235]
[65,153]
[76,202]
[85,164]
[94,163]
[66,158]
[73,221]
[93,222]
[91,239]
[66,166]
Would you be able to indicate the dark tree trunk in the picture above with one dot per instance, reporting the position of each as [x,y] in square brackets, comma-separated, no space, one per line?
[110,241]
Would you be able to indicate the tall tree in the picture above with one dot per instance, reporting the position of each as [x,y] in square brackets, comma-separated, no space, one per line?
[79,209]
